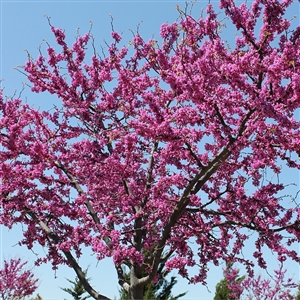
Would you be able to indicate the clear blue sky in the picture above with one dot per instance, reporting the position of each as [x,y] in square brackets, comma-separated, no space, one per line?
[23,26]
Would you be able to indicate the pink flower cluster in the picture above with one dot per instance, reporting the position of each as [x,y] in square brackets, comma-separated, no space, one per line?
[277,287]
[15,281]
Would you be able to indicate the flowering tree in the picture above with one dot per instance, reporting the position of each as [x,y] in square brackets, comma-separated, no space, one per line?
[279,288]
[15,281]
[256,288]
[152,148]
[230,287]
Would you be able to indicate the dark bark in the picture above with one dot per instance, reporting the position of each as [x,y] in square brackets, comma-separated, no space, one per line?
[137,292]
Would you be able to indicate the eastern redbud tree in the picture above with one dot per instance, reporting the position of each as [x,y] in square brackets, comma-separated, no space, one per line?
[160,144]
[276,287]
[15,281]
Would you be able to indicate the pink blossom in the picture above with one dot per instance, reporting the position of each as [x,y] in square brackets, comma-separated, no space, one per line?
[116,36]
[159,144]
[15,281]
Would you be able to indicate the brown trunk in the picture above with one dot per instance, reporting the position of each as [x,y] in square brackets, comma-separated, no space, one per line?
[137,292]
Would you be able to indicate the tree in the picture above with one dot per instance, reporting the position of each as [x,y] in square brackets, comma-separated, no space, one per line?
[279,288]
[298,294]
[158,145]
[77,291]
[230,287]
[161,289]
[15,281]
[233,287]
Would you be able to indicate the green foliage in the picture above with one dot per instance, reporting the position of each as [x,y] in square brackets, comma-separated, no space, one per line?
[160,290]
[298,294]
[222,290]
[77,291]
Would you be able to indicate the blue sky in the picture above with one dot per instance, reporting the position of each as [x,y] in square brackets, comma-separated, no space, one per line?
[24,26]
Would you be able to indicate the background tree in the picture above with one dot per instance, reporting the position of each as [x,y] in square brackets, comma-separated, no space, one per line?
[152,149]
[298,294]
[233,287]
[15,281]
[231,279]
[77,290]
[277,288]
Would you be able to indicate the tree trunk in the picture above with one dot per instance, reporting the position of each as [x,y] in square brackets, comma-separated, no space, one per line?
[137,292]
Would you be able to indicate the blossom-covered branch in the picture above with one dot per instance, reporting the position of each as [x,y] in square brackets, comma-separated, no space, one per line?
[15,281]
[160,143]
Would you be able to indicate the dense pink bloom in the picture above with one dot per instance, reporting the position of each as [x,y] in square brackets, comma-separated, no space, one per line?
[277,287]
[15,281]
[175,141]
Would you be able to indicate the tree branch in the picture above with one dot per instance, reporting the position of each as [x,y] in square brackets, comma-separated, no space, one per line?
[150,165]
[80,191]
[200,165]
[122,282]
[80,274]
[193,188]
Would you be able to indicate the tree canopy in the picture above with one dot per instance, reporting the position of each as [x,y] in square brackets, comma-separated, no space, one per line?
[158,144]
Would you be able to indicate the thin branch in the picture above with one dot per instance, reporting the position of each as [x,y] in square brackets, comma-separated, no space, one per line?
[223,121]
[80,191]
[122,282]
[167,256]
[80,274]
[194,155]
[150,166]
